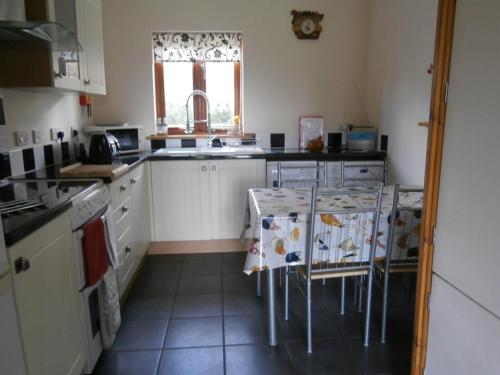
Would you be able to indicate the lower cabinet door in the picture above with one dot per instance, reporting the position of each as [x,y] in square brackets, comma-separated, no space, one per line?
[48,300]
[229,184]
[181,200]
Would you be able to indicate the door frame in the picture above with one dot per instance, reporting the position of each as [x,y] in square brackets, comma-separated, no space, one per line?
[437,120]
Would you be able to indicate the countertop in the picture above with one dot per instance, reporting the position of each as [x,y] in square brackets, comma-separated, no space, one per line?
[270,154]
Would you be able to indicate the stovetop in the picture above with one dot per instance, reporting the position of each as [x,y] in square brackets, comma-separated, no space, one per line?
[27,205]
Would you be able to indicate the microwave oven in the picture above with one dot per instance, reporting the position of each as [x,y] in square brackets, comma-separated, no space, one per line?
[130,138]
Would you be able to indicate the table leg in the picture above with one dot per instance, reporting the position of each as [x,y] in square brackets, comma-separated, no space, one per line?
[271,309]
[258,291]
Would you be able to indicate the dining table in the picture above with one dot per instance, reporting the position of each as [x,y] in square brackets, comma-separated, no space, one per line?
[276,225]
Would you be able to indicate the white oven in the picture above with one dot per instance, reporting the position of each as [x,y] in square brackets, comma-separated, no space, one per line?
[84,210]
[130,138]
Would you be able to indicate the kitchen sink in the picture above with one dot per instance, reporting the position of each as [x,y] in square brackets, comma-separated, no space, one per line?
[203,151]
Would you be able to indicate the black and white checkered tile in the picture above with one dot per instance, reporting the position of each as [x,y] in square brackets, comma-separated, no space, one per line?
[16,162]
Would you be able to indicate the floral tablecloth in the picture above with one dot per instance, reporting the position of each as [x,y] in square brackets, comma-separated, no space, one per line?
[276,227]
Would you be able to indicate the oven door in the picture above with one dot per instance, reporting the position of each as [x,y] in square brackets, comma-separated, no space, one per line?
[129,139]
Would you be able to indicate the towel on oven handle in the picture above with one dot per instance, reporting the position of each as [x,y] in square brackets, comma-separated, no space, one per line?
[111,239]
[109,307]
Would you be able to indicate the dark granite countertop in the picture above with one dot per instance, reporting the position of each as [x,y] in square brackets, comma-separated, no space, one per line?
[283,154]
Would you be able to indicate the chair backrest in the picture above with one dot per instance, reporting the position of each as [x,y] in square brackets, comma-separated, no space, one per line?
[403,233]
[342,229]
[315,175]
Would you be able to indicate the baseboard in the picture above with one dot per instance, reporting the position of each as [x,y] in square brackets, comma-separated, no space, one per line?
[189,247]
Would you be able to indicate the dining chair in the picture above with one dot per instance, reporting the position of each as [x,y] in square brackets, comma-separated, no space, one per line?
[402,245]
[340,243]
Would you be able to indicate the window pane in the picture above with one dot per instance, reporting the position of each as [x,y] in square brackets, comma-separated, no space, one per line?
[220,91]
[178,78]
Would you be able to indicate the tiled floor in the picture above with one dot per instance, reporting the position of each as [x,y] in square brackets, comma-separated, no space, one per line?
[198,314]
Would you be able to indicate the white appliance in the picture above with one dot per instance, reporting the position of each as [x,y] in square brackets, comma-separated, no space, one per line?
[86,208]
[131,138]
[11,352]
[296,174]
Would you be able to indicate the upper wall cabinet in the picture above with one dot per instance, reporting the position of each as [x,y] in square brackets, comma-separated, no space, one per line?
[89,29]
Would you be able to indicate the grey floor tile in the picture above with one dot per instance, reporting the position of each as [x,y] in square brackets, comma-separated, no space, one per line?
[324,326]
[202,267]
[192,361]
[243,304]
[247,329]
[146,286]
[208,284]
[158,307]
[128,363]
[257,359]
[164,258]
[233,262]
[328,357]
[203,257]
[140,335]
[197,305]
[239,283]
[163,269]
[194,332]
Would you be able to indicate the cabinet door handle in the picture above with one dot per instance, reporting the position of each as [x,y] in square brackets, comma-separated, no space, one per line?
[133,180]
[203,168]
[57,75]
[86,82]
[124,209]
[128,249]
[21,264]
[214,168]
[123,187]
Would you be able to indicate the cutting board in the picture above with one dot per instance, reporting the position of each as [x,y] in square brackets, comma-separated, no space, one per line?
[112,171]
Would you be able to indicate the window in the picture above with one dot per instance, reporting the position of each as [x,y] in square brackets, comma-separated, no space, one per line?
[203,61]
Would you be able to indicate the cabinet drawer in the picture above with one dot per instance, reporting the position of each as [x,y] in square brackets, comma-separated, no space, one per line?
[122,211]
[137,172]
[126,269]
[123,239]
[120,190]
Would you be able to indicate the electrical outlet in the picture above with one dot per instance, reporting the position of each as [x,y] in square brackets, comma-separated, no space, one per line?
[21,138]
[53,133]
[74,133]
[36,136]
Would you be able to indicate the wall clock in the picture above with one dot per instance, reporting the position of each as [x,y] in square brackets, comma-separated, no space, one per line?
[305,24]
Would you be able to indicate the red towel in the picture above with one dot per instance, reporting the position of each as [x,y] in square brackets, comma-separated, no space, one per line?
[94,251]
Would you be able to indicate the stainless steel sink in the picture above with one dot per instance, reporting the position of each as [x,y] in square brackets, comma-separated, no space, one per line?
[226,150]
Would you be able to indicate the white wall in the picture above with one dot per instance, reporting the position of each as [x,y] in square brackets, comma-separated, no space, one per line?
[401,47]
[283,77]
[467,255]
[28,110]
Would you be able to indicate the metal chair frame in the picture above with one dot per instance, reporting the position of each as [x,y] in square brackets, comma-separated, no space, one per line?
[387,267]
[342,271]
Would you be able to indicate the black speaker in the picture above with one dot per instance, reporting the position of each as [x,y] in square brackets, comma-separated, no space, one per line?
[277,140]
[384,140]
[335,141]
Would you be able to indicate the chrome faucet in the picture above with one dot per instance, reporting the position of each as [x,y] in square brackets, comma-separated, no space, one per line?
[207,120]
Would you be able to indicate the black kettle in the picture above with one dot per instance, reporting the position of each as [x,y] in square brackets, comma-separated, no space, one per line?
[103,148]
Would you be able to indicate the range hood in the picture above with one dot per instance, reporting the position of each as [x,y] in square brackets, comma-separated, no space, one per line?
[15,28]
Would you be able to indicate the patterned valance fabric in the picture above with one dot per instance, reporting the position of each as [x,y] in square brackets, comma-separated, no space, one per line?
[209,46]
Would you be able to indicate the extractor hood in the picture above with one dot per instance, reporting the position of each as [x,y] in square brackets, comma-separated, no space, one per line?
[15,28]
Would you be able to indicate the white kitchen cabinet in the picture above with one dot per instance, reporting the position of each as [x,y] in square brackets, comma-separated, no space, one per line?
[131,216]
[141,219]
[181,200]
[202,200]
[48,300]
[89,31]
[229,184]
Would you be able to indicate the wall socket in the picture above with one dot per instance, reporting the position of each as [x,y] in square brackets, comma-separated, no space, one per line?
[36,136]
[53,133]
[21,138]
